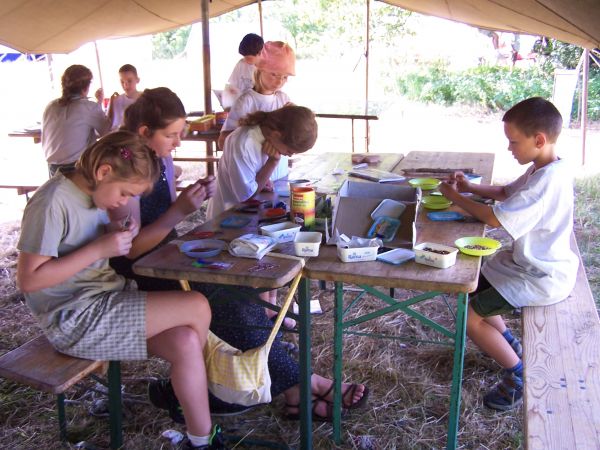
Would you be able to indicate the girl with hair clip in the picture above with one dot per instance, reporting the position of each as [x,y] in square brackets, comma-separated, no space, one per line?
[87,310]
[72,122]
[276,62]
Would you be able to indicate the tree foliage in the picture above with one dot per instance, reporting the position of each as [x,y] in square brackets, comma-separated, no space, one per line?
[170,43]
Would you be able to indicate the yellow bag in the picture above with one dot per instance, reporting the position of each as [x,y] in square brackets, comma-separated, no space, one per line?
[243,377]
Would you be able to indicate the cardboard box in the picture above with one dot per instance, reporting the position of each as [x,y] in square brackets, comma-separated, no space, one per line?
[355,202]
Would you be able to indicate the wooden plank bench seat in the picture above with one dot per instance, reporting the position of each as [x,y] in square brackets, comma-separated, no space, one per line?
[561,358]
[38,365]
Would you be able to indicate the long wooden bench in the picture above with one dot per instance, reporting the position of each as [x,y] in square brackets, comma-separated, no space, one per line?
[38,365]
[561,358]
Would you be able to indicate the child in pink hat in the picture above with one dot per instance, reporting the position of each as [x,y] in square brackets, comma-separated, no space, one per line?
[275,63]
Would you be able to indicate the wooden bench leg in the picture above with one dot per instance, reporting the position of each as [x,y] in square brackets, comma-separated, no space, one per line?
[62,421]
[114,405]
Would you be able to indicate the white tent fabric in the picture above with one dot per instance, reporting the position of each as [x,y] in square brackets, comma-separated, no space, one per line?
[574,21]
[61,26]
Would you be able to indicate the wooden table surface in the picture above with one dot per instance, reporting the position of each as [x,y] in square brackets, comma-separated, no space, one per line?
[462,277]
[168,262]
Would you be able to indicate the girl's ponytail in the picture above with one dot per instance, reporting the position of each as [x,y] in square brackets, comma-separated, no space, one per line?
[74,81]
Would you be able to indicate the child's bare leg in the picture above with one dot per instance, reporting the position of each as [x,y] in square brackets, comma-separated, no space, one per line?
[267,297]
[181,347]
[176,327]
[489,339]
[497,322]
[271,297]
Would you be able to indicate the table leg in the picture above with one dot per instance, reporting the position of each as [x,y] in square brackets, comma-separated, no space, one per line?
[457,369]
[114,404]
[338,315]
[305,366]
[210,169]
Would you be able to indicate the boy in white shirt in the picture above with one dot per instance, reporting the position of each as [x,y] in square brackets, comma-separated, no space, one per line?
[118,103]
[537,211]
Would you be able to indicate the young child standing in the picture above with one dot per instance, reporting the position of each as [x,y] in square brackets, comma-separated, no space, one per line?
[86,309]
[247,165]
[118,103]
[537,211]
[242,77]
[275,63]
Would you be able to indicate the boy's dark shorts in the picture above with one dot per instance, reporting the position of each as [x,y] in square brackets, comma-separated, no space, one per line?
[487,301]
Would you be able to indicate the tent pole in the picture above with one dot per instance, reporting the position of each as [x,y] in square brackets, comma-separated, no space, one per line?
[260,17]
[206,57]
[367,75]
[584,101]
[98,64]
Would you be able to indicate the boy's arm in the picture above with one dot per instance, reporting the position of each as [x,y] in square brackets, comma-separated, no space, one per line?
[36,272]
[480,211]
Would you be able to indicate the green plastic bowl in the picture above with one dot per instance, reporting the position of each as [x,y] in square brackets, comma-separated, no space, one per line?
[426,184]
[491,246]
[435,202]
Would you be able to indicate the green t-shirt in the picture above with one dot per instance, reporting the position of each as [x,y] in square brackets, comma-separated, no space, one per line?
[59,219]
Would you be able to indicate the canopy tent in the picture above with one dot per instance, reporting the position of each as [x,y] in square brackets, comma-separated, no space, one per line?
[573,21]
[61,26]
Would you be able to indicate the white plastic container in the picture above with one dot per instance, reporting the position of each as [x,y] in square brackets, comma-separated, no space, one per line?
[430,258]
[283,232]
[307,243]
[357,254]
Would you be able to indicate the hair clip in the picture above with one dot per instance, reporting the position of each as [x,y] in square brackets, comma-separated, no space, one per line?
[126,153]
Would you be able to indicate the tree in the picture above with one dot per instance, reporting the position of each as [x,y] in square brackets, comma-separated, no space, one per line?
[170,43]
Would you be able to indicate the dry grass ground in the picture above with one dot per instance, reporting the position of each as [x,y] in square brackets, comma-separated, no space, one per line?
[409,381]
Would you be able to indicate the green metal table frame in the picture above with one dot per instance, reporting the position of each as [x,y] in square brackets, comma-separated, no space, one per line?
[454,338]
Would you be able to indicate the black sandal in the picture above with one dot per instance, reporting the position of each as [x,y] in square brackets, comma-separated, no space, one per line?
[315,417]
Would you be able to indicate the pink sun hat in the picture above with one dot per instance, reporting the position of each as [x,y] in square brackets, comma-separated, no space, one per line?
[277,56]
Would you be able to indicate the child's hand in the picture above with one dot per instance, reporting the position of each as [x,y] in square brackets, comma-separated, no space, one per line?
[462,182]
[191,198]
[447,188]
[269,149]
[268,186]
[116,243]
[209,184]
[99,95]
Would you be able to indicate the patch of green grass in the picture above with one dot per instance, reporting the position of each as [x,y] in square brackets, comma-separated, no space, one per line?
[587,228]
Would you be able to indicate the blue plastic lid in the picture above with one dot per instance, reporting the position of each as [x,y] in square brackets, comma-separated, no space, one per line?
[445,216]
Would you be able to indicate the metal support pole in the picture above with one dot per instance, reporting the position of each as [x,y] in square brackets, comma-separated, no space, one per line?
[338,331]
[114,404]
[584,101]
[305,366]
[457,369]
[62,421]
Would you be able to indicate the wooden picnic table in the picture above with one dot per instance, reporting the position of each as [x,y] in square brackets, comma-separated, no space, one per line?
[168,262]
[458,280]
